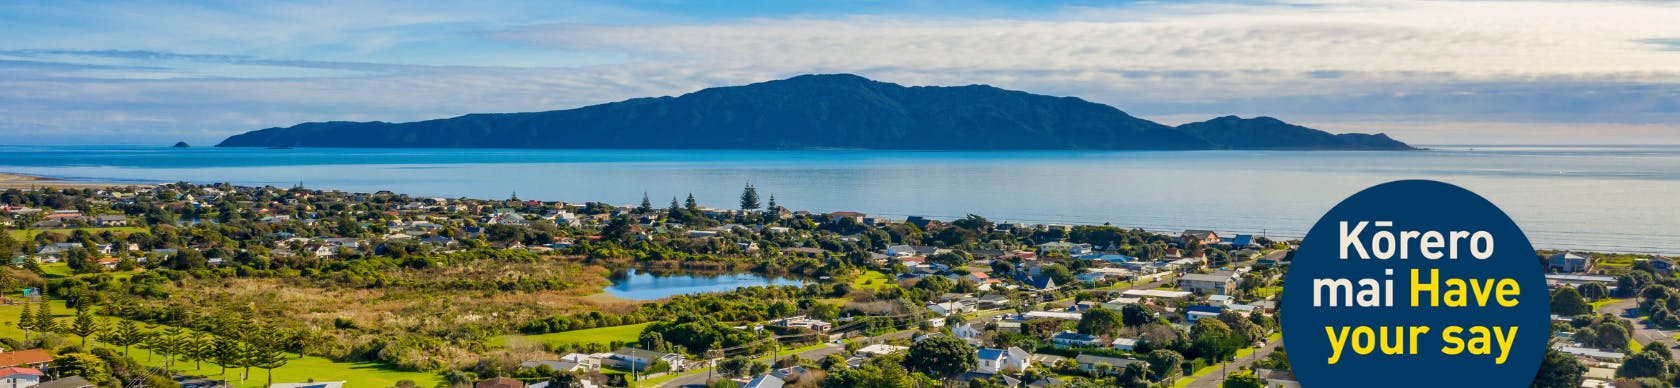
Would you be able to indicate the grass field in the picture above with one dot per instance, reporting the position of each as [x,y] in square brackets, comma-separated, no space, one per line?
[367,374]
[29,234]
[1267,291]
[871,280]
[599,335]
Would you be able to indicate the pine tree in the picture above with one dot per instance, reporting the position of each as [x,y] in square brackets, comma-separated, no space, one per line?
[125,333]
[26,321]
[772,205]
[647,205]
[691,204]
[44,322]
[749,198]
[674,205]
[269,351]
[84,326]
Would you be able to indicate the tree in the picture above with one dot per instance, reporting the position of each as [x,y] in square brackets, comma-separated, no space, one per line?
[1213,340]
[941,356]
[749,198]
[26,321]
[1099,321]
[1164,364]
[735,367]
[84,326]
[1241,380]
[647,205]
[1133,315]
[690,204]
[1594,291]
[269,351]
[1566,301]
[1644,364]
[225,352]
[1614,336]
[125,333]
[1559,370]
[91,367]
[44,317]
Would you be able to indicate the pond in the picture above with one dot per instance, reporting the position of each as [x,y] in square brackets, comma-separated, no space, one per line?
[642,285]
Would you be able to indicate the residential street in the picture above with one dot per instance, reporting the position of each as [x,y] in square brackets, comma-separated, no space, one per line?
[1645,334]
[699,379]
[1213,380]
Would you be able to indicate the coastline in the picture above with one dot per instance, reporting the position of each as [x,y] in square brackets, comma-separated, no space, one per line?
[9,180]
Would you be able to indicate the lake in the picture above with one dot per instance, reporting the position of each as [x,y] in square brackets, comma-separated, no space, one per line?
[1604,198]
[642,285]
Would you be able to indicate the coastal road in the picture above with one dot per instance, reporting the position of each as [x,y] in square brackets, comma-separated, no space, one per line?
[698,379]
[1646,334]
[1213,380]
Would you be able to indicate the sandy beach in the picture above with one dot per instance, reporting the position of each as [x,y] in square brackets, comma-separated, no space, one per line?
[32,182]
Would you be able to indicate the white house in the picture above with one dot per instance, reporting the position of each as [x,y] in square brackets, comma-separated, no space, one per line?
[20,377]
[992,361]
[878,350]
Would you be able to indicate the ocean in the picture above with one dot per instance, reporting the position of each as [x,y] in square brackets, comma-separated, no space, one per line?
[1601,198]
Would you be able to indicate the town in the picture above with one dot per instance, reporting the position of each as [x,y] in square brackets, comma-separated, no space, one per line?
[226,286]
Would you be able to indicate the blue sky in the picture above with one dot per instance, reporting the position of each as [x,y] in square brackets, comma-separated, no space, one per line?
[1428,72]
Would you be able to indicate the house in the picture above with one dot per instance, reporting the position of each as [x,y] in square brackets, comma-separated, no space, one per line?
[1277,378]
[574,362]
[1071,249]
[1242,241]
[28,358]
[1126,344]
[802,322]
[1569,262]
[500,382]
[1218,283]
[836,217]
[765,381]
[110,220]
[1069,339]
[632,358]
[878,350]
[313,384]
[1205,237]
[1039,282]
[992,361]
[949,308]
[20,377]
[965,331]
[1092,363]
[1663,264]
[1193,313]
[67,382]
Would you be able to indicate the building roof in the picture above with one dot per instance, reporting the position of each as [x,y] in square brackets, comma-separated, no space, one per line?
[1205,277]
[989,354]
[66,382]
[1111,361]
[9,371]
[765,381]
[24,357]
[500,382]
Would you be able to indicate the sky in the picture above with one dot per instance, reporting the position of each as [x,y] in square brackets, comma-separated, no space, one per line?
[1426,72]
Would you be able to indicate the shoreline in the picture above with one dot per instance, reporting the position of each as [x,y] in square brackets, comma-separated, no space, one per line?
[11,180]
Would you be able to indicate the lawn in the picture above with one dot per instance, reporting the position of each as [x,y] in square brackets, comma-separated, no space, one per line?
[368,374]
[1267,291]
[29,234]
[1601,302]
[599,335]
[871,280]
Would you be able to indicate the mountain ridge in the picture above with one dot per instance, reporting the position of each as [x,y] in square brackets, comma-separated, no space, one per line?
[818,111]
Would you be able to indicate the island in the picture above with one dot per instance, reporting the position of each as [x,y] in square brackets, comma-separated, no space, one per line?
[824,111]
[181,144]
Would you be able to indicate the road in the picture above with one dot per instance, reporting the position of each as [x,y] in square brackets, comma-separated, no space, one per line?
[1646,334]
[1213,380]
[698,378]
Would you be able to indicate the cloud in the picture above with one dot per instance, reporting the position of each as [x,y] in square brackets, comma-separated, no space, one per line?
[215,69]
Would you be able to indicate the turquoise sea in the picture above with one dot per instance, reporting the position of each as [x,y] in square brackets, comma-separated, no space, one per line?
[1615,198]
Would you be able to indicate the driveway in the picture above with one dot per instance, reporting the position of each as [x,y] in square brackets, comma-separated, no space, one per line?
[1646,334]
[1213,380]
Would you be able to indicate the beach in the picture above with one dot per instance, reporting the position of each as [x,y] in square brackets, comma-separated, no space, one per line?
[33,182]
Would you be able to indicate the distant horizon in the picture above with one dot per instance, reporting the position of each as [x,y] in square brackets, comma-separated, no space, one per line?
[1518,72]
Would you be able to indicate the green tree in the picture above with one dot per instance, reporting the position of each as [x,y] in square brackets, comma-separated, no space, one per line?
[84,326]
[749,198]
[1559,370]
[1099,321]
[1566,301]
[1164,364]
[1213,340]
[647,205]
[691,204]
[941,356]
[26,321]
[225,352]
[269,351]
[90,367]
[125,333]
[44,321]
[1645,364]
[1133,315]
[1241,380]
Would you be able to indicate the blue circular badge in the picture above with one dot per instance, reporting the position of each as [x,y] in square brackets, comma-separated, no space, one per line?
[1415,284]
